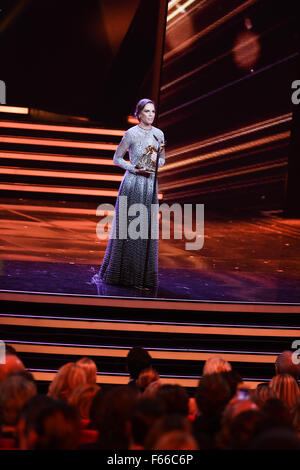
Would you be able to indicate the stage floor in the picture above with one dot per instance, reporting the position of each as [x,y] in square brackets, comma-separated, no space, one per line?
[52,247]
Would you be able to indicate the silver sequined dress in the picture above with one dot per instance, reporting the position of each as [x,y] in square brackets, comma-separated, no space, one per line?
[124,259]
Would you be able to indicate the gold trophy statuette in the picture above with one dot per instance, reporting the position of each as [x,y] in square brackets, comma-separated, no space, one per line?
[145,160]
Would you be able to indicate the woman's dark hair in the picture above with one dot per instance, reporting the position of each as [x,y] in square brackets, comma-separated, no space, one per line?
[115,410]
[137,359]
[174,399]
[140,106]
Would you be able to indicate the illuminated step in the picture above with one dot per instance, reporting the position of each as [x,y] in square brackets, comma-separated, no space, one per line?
[47,157]
[13,109]
[61,190]
[146,327]
[56,143]
[59,174]
[61,128]
[121,352]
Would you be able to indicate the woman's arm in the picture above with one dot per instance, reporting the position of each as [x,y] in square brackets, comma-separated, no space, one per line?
[161,160]
[121,151]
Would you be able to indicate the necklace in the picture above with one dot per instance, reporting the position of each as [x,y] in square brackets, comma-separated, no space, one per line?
[144,128]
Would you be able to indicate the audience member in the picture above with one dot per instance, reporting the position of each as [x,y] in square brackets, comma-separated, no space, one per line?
[90,368]
[233,409]
[146,377]
[144,414]
[26,374]
[68,377]
[284,364]
[167,423]
[275,413]
[113,419]
[96,407]
[152,389]
[12,363]
[286,389]
[82,397]
[261,394]
[243,428]
[27,425]
[275,439]
[176,440]
[15,391]
[212,395]
[57,427]
[138,359]
[234,381]
[216,364]
[174,399]
[296,417]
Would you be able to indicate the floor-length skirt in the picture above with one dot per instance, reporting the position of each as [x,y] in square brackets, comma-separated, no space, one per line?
[126,261]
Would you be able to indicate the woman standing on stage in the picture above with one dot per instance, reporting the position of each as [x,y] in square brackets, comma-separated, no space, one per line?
[134,262]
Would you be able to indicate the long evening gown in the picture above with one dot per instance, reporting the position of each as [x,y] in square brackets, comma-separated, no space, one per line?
[124,260]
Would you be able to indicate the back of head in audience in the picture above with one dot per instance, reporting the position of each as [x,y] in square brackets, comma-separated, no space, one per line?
[285,387]
[68,377]
[275,413]
[26,374]
[261,394]
[243,428]
[174,399]
[96,407]
[167,423]
[82,398]
[90,368]
[212,394]
[144,414]
[216,364]
[27,433]
[14,392]
[138,359]
[145,378]
[285,365]
[12,363]
[233,409]
[152,389]
[296,417]
[113,417]
[234,380]
[176,440]
[275,439]
[57,427]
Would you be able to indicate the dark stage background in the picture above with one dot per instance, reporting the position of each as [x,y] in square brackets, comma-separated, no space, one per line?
[87,58]
[226,104]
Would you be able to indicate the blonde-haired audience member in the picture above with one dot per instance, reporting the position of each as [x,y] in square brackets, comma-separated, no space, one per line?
[82,397]
[215,365]
[285,388]
[90,369]
[68,377]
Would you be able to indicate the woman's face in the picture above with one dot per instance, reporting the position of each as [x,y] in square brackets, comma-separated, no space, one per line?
[147,114]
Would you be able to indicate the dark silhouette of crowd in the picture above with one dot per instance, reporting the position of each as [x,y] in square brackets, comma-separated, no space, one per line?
[148,413]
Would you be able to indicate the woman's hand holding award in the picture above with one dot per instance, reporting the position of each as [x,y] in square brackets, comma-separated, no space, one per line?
[147,162]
